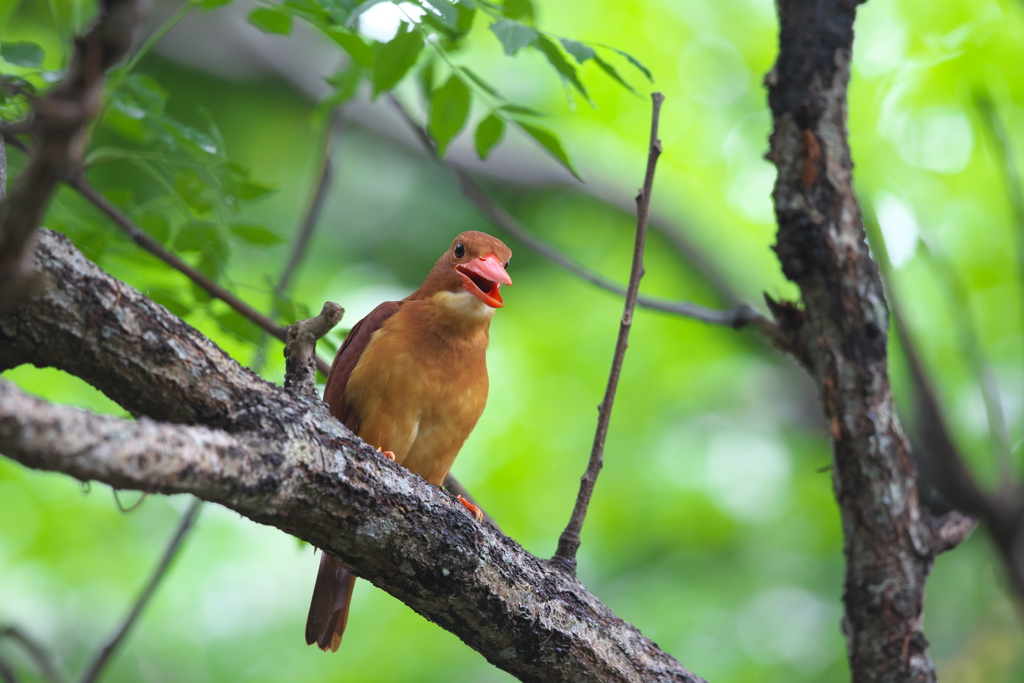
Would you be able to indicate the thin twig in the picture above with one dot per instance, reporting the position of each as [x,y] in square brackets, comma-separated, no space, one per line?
[60,123]
[36,651]
[106,652]
[737,317]
[7,672]
[569,542]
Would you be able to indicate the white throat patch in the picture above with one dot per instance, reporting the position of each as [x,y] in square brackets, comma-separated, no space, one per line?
[463,304]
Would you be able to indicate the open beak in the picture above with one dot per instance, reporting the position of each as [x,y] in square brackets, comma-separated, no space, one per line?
[483,277]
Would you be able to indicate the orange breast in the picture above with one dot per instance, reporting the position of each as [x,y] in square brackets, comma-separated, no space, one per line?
[419,392]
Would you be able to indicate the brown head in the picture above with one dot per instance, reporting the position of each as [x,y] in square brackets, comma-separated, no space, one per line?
[476,263]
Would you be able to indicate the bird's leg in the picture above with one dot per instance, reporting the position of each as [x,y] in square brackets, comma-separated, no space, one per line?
[475,510]
[387,454]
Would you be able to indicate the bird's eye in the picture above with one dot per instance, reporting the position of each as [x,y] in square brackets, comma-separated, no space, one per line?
[506,263]
[460,250]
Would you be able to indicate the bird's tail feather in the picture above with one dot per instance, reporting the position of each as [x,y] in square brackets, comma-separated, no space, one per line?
[328,610]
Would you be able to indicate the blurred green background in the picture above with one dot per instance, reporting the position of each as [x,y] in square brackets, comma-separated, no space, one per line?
[713,527]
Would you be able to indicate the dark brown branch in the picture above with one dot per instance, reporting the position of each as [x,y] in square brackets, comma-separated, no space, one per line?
[36,652]
[7,672]
[60,125]
[277,457]
[740,316]
[840,336]
[300,349]
[569,541]
[95,667]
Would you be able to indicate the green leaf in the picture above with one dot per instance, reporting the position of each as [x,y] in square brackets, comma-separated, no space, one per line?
[610,70]
[394,59]
[513,35]
[518,9]
[244,188]
[193,190]
[488,133]
[207,5]
[449,109]
[446,12]
[484,85]
[346,83]
[255,234]
[155,225]
[211,264]
[517,109]
[146,91]
[271,20]
[358,11]
[634,61]
[426,78]
[353,44]
[561,64]
[467,12]
[196,236]
[578,50]
[548,141]
[24,53]
[238,325]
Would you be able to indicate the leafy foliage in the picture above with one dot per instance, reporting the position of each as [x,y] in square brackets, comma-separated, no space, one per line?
[440,28]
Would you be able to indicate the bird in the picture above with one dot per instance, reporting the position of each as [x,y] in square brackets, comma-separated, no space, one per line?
[411,380]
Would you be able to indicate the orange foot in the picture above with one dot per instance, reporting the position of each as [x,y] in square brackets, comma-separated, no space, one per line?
[387,454]
[477,513]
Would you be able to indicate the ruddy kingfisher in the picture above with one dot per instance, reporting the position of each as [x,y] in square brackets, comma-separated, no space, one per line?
[411,380]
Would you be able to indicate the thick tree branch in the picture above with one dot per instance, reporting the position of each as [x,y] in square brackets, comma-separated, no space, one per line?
[840,337]
[60,125]
[569,541]
[277,457]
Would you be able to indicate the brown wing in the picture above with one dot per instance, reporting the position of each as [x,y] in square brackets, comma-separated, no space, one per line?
[332,594]
[348,356]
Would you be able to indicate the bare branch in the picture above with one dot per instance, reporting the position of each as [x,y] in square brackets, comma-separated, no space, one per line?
[7,673]
[740,316]
[95,667]
[569,541]
[36,651]
[300,350]
[278,457]
[60,124]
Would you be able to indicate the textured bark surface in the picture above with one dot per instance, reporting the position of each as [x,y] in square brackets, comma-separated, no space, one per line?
[840,336]
[277,457]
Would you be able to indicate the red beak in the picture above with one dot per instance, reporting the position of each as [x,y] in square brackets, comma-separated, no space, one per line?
[483,277]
